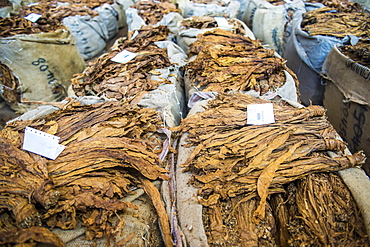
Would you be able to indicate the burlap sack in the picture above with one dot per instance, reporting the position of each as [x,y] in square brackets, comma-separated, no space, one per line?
[91,34]
[268,21]
[40,66]
[229,9]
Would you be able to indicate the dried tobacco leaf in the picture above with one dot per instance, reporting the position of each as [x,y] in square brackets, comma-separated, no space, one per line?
[321,211]
[228,62]
[108,146]
[203,22]
[359,53]
[341,5]
[29,237]
[329,21]
[153,11]
[124,81]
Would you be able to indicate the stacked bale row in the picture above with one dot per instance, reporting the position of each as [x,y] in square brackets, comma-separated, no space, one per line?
[125,179]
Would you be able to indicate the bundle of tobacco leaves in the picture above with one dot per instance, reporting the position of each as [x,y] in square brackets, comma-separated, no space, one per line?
[52,15]
[318,210]
[344,6]
[231,62]
[359,53]
[152,11]
[237,167]
[331,22]
[125,80]
[203,22]
[18,25]
[111,148]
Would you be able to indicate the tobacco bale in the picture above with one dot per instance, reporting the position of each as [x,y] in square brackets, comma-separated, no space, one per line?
[125,80]
[331,22]
[345,6]
[227,62]
[152,12]
[204,22]
[234,161]
[109,148]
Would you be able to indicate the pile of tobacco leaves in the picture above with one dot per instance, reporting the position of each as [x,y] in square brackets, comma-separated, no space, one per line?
[341,5]
[273,184]
[333,22]
[121,81]
[111,148]
[359,53]
[51,19]
[228,62]
[203,22]
[218,2]
[152,11]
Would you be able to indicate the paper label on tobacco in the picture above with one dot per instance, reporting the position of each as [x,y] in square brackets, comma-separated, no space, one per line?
[33,17]
[221,22]
[124,56]
[259,114]
[42,143]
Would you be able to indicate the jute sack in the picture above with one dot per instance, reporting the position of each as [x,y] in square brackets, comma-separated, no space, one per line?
[110,17]
[37,67]
[305,55]
[90,33]
[229,9]
[268,21]
[347,100]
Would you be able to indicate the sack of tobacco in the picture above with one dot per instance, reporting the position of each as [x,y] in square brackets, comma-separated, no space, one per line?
[347,92]
[192,26]
[93,181]
[310,39]
[246,180]
[91,22]
[142,69]
[227,8]
[37,67]
[268,20]
[222,61]
[153,13]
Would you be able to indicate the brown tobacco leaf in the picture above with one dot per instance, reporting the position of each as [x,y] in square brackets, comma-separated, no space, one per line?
[108,146]
[227,62]
[152,12]
[203,22]
[123,81]
[341,5]
[155,197]
[322,211]
[327,21]
[360,52]
[30,237]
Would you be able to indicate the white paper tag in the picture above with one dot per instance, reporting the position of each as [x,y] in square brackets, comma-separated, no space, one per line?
[124,56]
[42,143]
[259,114]
[221,22]
[33,17]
